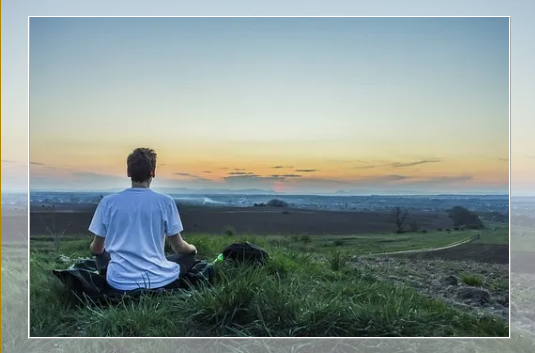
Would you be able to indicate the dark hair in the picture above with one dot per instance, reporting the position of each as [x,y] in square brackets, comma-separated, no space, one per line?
[141,164]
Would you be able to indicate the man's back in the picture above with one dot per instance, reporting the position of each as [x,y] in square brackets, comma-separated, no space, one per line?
[134,223]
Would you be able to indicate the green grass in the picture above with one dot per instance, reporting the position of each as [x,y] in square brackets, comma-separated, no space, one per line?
[15,329]
[499,236]
[316,245]
[297,294]
[373,243]
[471,280]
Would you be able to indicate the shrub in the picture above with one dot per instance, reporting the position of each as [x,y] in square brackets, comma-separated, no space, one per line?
[277,203]
[230,232]
[306,239]
[338,242]
[337,261]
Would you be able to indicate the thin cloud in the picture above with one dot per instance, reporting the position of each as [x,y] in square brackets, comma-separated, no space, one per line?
[306,170]
[251,177]
[64,167]
[366,167]
[189,175]
[241,176]
[445,179]
[286,176]
[241,173]
[383,164]
[282,167]
[207,172]
[414,180]
[92,174]
[13,163]
[239,169]
[395,177]
[385,179]
[411,164]
[452,178]
[354,161]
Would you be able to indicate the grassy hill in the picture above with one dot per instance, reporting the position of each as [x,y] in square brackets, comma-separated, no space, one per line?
[310,288]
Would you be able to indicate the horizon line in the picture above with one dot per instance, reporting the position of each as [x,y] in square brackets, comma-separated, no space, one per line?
[254,191]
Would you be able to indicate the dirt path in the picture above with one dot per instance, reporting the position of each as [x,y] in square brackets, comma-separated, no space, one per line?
[413,251]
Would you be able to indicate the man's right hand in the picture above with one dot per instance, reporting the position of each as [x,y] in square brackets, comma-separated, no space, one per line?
[180,246]
[193,249]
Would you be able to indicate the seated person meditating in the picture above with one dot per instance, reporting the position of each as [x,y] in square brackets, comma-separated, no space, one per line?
[130,228]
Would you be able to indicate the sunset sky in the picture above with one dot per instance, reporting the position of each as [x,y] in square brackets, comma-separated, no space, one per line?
[286,104]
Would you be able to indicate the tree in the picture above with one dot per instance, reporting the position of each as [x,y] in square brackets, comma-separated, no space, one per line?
[399,218]
[462,217]
[277,203]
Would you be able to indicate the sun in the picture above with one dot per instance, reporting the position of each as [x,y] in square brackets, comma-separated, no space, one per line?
[280,186]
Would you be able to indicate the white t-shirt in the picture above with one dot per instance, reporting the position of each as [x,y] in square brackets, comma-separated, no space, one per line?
[134,223]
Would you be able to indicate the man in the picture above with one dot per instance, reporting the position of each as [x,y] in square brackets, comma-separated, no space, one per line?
[131,227]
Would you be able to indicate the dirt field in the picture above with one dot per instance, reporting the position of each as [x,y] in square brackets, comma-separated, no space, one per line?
[272,221]
[521,261]
[265,221]
[483,253]
[429,276]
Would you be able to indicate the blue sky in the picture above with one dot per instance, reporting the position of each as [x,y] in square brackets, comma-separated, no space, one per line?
[250,93]
[13,151]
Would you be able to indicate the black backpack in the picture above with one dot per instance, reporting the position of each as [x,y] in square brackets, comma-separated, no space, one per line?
[245,252]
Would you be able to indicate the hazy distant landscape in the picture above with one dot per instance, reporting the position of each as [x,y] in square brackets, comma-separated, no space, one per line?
[343,215]
[480,203]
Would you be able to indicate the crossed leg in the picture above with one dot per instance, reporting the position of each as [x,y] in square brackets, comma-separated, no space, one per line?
[185,261]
